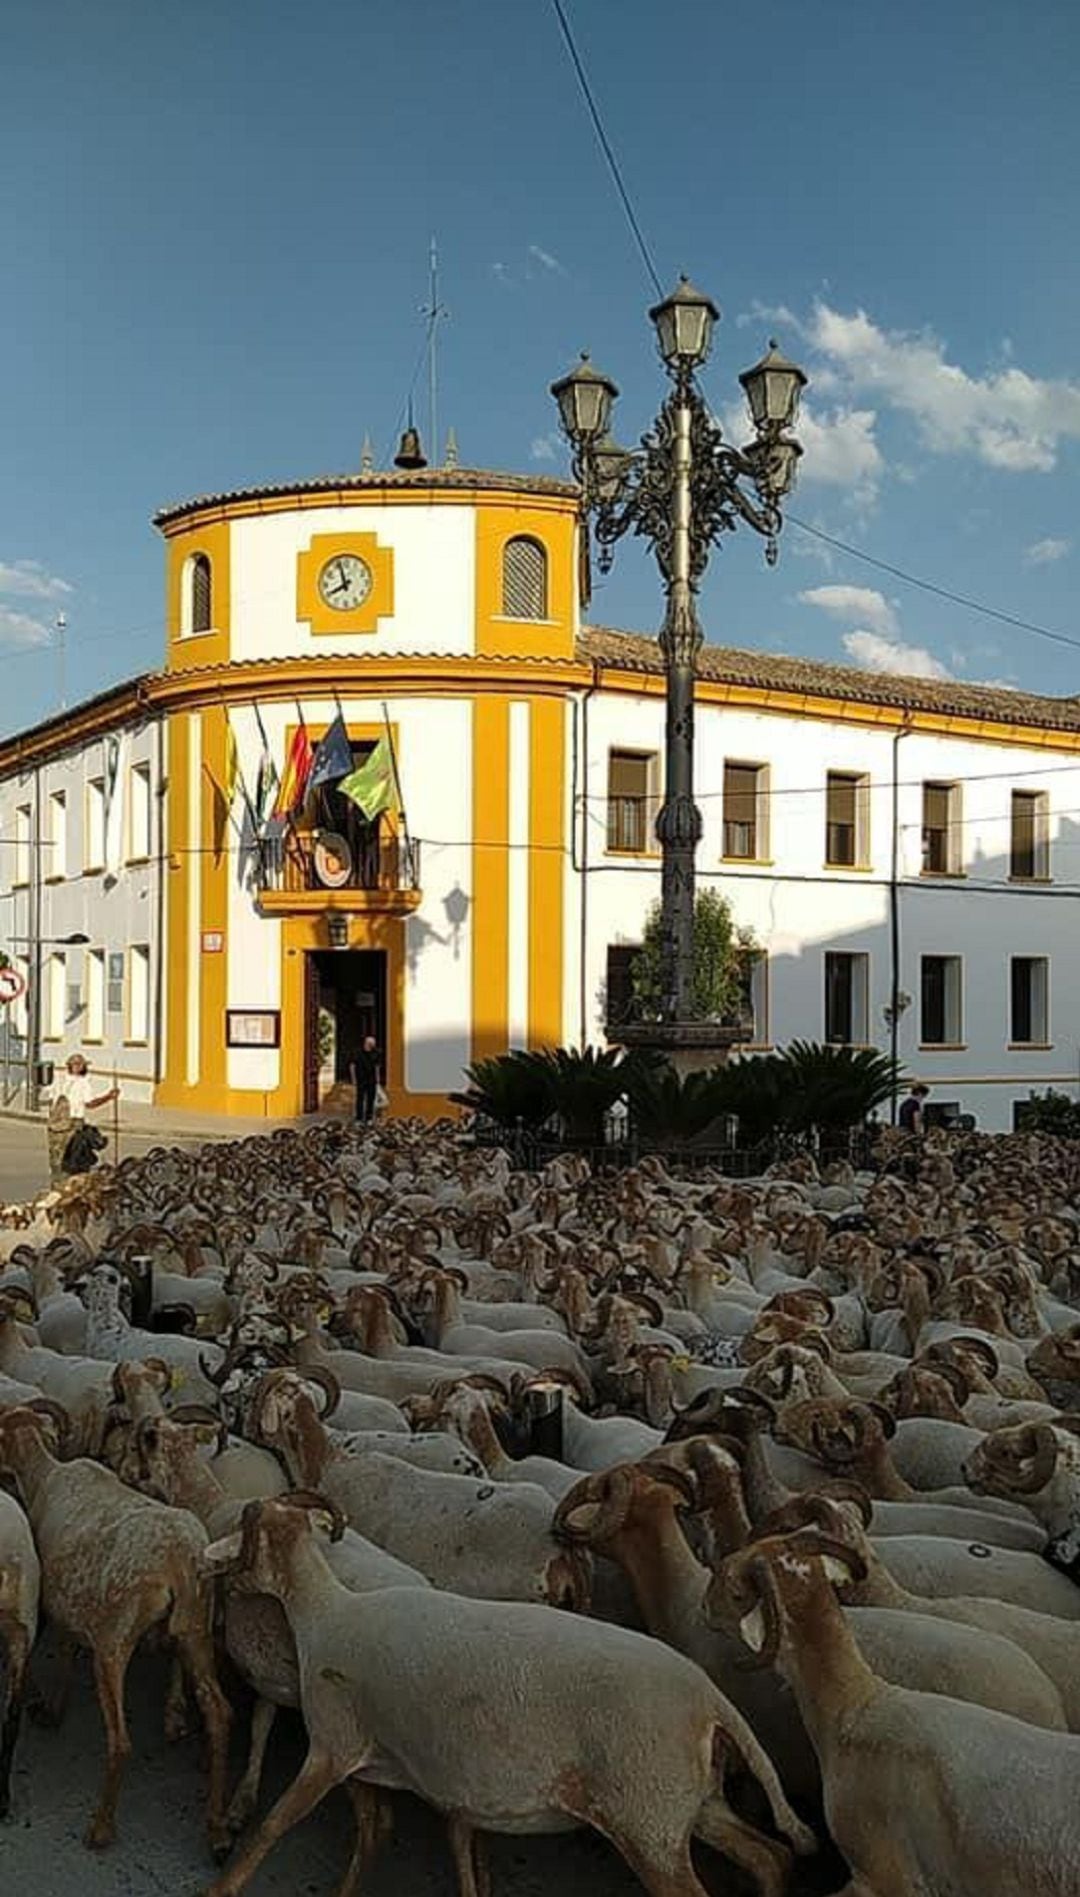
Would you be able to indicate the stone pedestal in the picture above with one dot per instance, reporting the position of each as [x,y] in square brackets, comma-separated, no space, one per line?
[688,1046]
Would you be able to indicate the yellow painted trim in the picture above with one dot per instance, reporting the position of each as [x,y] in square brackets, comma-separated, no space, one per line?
[547,763]
[312,609]
[490,919]
[497,635]
[173,1088]
[197,517]
[186,651]
[214,901]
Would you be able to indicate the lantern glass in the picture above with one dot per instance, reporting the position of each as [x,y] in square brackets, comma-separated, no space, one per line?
[584,399]
[773,387]
[609,460]
[684,323]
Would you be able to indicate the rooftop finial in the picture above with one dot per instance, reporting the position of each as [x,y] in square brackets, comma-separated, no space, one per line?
[367,457]
[451,457]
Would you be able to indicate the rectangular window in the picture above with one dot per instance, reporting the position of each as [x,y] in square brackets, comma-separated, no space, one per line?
[631,807]
[1029,1001]
[21,868]
[94,975]
[95,823]
[55,864]
[1029,840]
[138,1024]
[847,820]
[942,843]
[55,997]
[746,836]
[619,989]
[847,994]
[754,984]
[941,1020]
[139,814]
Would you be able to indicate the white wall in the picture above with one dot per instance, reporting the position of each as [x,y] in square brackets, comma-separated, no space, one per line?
[799,909]
[434,560]
[113,912]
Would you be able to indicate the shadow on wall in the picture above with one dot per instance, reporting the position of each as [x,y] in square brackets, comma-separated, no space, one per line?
[981,1011]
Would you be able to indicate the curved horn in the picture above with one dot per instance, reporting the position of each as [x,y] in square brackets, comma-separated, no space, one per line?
[607,1499]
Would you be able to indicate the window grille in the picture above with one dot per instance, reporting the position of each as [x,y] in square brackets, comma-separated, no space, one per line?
[202,601]
[524,579]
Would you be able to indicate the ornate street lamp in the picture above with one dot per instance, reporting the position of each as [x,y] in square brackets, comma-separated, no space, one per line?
[682,488]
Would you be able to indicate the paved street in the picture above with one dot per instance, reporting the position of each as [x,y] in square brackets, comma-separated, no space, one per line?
[24,1166]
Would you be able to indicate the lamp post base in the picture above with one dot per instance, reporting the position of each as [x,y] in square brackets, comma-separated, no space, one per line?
[688,1046]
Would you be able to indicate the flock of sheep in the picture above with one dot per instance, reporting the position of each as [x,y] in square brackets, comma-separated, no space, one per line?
[703,1513]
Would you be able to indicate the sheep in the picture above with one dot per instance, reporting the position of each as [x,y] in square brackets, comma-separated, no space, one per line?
[113,1565]
[565,1745]
[1041,1462]
[20,1591]
[538,1349]
[81,1385]
[490,1540]
[462,1407]
[110,1336]
[443,1454]
[921,1793]
[1053,1644]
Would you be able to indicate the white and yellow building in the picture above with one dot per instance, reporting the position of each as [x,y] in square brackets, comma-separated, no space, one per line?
[858,823]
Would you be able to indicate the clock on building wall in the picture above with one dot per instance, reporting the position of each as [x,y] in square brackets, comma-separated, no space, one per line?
[344,583]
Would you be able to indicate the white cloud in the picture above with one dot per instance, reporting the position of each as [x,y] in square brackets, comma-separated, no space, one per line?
[1045,552]
[546,260]
[26,579]
[853,602]
[875,654]
[19,629]
[545,447]
[1006,419]
[839,449]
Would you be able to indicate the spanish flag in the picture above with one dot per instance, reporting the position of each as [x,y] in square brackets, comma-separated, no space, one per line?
[294,779]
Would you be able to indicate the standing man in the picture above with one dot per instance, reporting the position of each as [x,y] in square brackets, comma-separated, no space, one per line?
[365,1072]
[72,1098]
[910,1116]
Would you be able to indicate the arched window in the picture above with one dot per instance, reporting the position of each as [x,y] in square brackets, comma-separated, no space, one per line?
[201,594]
[524,579]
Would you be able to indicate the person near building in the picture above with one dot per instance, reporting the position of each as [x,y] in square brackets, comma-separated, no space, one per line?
[73,1098]
[365,1072]
[910,1116]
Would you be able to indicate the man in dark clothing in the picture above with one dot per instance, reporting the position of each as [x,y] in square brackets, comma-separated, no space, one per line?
[365,1072]
[910,1115]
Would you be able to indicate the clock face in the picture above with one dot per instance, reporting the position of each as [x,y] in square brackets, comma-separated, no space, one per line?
[345,582]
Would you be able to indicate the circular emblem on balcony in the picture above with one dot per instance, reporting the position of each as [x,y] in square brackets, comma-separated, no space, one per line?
[333,860]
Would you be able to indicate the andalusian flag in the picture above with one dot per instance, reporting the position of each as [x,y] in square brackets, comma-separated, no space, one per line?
[373,787]
[297,773]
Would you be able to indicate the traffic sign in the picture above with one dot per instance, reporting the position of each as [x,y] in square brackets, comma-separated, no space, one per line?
[12,985]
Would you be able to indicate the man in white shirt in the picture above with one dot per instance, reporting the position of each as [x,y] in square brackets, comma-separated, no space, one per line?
[72,1098]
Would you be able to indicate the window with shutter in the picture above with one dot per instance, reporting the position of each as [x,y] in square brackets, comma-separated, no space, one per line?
[524,579]
[745,812]
[202,601]
[631,808]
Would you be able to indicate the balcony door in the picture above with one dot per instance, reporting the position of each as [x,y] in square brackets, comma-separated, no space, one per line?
[346,999]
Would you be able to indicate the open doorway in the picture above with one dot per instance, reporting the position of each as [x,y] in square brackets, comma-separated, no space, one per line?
[346,1000]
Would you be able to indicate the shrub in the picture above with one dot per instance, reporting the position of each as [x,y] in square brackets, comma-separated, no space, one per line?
[719,952]
[509,1089]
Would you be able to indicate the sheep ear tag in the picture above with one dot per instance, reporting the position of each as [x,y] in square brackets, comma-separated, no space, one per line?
[835,1571]
[177,1378]
[681,1362]
[752,1629]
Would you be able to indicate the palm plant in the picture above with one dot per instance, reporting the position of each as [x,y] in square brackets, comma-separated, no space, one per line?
[831,1089]
[671,1108]
[583,1086]
[509,1089]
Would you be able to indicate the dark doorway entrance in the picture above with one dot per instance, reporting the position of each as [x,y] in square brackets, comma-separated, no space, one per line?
[346,999]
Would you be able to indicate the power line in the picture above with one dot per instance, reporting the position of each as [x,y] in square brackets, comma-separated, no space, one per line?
[931,586]
[605,144]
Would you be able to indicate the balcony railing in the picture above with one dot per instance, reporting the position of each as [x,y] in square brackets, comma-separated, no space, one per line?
[313,862]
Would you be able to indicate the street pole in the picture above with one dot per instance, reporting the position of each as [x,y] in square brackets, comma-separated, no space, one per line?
[678,825]
[33,1024]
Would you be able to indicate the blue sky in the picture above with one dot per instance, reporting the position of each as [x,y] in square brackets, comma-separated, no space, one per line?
[215,221]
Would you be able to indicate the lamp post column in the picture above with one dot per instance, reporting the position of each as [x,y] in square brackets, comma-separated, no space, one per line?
[678,825]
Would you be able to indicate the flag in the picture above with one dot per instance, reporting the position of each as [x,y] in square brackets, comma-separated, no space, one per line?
[371,787]
[232,766]
[293,787]
[266,778]
[333,756]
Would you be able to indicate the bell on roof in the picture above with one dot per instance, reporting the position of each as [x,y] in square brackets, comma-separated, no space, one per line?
[410,454]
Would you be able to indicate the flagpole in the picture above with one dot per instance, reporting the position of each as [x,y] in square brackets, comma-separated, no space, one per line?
[397,791]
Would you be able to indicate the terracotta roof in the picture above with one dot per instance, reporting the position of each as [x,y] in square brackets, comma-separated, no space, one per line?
[465,480]
[767,671]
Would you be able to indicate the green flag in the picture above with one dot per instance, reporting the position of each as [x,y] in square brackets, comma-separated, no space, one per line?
[372,786]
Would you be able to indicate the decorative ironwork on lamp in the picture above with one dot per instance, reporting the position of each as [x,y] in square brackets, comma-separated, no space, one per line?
[681,488]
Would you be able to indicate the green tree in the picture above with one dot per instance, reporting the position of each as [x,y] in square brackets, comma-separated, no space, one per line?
[721,951]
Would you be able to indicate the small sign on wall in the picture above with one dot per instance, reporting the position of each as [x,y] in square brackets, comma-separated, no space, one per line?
[213,941]
[252,1027]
